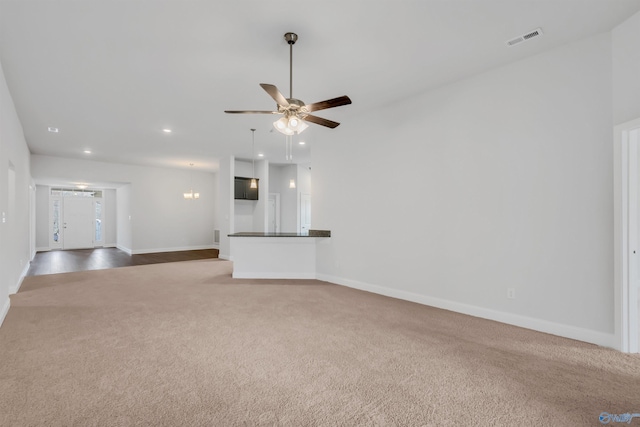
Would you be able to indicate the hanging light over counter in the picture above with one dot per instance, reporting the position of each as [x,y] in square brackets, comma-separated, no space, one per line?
[254,182]
[191,195]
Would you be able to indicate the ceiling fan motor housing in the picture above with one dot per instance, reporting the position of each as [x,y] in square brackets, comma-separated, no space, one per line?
[295,107]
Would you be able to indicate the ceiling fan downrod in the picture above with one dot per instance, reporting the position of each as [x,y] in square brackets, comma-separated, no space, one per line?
[295,112]
[291,38]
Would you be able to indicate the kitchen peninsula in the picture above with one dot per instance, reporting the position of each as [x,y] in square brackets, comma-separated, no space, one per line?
[258,255]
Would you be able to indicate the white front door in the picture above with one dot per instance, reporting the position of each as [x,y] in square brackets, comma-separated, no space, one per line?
[78,223]
[305,213]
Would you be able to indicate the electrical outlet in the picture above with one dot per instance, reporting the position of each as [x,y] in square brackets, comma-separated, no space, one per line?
[511,293]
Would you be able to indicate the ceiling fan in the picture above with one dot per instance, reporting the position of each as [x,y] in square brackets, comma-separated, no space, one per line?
[294,111]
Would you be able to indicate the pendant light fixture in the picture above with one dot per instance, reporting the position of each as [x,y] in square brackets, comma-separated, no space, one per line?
[254,183]
[190,195]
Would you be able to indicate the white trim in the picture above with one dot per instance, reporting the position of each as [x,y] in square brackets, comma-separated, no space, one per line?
[122,248]
[110,245]
[624,165]
[567,331]
[225,257]
[5,310]
[14,289]
[178,249]
[43,249]
[272,275]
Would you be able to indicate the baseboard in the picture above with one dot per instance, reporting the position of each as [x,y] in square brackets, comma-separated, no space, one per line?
[124,249]
[566,331]
[225,257]
[15,288]
[271,275]
[178,249]
[43,249]
[110,245]
[5,310]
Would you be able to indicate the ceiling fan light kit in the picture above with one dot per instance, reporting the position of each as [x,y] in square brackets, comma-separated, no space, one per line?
[295,112]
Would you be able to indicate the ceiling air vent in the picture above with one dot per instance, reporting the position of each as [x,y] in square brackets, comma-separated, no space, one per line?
[523,38]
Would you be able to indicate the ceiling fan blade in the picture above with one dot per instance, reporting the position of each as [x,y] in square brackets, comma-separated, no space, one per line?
[320,121]
[250,112]
[275,94]
[329,103]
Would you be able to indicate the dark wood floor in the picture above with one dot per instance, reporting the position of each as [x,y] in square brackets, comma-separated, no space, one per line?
[53,262]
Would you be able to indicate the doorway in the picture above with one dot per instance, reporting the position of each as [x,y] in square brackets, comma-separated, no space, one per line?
[274,213]
[627,235]
[305,213]
[77,223]
[76,219]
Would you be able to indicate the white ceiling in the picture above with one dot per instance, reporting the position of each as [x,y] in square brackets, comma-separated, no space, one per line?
[111,74]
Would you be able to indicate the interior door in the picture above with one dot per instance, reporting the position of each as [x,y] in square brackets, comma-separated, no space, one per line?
[305,213]
[634,244]
[77,225]
[274,213]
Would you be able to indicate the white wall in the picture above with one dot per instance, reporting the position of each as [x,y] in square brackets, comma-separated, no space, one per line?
[124,230]
[110,217]
[42,218]
[15,212]
[161,219]
[303,185]
[626,70]
[289,203]
[275,178]
[304,179]
[260,215]
[226,205]
[503,180]
[216,197]
[279,176]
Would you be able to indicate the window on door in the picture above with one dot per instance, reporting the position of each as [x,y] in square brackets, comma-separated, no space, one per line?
[55,207]
[76,218]
[98,223]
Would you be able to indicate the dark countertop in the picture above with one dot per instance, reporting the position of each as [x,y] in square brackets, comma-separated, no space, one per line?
[312,233]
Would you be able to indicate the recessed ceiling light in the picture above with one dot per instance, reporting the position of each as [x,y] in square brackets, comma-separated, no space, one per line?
[301,142]
[166,130]
[81,186]
[87,151]
[260,155]
[54,130]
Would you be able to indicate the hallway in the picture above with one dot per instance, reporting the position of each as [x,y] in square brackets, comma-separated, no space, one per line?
[53,262]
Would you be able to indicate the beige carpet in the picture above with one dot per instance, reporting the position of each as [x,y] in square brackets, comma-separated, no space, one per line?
[183,344]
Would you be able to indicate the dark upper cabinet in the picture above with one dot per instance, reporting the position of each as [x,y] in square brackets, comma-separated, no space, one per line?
[243,190]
